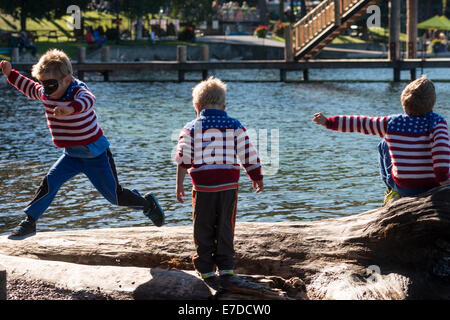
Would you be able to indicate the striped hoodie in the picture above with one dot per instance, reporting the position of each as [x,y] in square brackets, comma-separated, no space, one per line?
[419,146]
[79,128]
[209,147]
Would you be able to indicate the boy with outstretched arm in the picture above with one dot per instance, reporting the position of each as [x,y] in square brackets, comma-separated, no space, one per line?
[414,155]
[68,105]
[208,149]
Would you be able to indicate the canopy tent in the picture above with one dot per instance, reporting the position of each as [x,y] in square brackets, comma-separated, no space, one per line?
[446,20]
[437,22]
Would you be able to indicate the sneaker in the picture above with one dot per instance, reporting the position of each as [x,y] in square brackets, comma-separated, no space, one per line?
[389,194]
[25,229]
[207,275]
[154,212]
[231,280]
[224,273]
[214,283]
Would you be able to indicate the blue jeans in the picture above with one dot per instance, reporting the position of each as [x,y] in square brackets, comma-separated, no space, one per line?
[385,164]
[101,171]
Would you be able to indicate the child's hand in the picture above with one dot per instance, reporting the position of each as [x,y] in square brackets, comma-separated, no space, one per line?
[180,193]
[319,118]
[63,111]
[6,67]
[258,186]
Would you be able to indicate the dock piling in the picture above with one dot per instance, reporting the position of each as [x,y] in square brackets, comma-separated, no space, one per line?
[305,75]
[288,47]
[105,58]
[282,75]
[15,55]
[81,59]
[181,58]
[394,36]
[205,57]
[411,33]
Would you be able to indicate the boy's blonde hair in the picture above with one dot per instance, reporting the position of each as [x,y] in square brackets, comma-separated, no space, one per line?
[54,62]
[418,97]
[209,92]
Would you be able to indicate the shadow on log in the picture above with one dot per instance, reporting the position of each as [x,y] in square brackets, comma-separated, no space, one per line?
[401,251]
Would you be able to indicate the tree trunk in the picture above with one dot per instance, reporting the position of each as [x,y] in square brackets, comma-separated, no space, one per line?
[395,252]
[139,28]
[263,12]
[303,8]
[281,11]
[23,21]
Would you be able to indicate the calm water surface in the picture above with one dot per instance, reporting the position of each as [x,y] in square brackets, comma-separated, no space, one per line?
[322,174]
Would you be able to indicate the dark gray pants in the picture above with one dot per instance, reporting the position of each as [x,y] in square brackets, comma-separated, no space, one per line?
[214,215]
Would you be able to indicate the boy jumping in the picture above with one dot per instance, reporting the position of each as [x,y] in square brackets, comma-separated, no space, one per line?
[208,148]
[72,121]
[415,154]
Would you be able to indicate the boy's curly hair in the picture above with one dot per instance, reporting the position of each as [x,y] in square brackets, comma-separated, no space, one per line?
[418,97]
[54,62]
[209,92]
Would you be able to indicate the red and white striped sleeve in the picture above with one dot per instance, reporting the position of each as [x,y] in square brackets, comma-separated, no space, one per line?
[83,100]
[363,124]
[185,149]
[440,151]
[28,87]
[248,155]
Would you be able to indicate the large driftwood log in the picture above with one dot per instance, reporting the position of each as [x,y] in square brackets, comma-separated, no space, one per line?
[396,252]
[124,283]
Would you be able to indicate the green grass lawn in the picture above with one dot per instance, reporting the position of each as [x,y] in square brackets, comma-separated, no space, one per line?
[383,34]
[42,26]
[65,40]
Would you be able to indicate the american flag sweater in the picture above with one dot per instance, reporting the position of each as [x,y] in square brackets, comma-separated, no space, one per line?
[79,128]
[209,147]
[419,146]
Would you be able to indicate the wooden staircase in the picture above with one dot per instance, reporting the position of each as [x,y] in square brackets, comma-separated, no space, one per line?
[324,23]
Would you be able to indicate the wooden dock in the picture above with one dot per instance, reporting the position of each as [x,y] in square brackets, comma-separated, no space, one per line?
[283,66]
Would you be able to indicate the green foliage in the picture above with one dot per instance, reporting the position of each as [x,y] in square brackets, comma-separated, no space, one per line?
[261,31]
[136,8]
[279,30]
[192,11]
[51,9]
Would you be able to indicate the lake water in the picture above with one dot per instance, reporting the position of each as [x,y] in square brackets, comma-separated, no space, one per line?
[321,174]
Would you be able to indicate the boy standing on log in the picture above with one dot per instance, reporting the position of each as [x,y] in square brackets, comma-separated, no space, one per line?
[414,155]
[208,148]
[72,121]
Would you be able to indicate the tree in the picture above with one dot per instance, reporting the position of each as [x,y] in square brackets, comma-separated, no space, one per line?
[24,9]
[303,8]
[193,11]
[138,8]
[263,11]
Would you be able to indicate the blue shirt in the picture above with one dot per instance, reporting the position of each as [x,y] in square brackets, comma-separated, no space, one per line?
[91,150]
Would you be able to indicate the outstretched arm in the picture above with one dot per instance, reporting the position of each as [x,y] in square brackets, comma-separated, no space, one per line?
[440,152]
[28,87]
[367,125]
